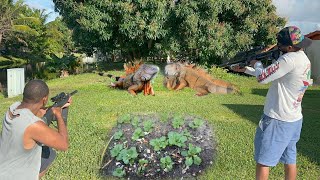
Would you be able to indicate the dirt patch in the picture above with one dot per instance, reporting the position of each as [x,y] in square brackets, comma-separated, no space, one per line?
[196,130]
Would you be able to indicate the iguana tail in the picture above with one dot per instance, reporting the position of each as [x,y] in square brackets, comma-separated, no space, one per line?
[223,87]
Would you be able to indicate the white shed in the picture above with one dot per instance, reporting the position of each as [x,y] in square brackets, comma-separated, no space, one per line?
[16,81]
[313,52]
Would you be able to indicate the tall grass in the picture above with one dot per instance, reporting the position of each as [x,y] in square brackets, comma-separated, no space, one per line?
[234,118]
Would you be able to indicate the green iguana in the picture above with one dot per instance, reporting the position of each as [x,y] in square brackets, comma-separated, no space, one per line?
[138,78]
[179,75]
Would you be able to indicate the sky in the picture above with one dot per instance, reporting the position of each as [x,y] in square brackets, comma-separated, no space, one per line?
[301,13]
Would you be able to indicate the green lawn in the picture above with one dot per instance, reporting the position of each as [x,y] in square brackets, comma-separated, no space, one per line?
[234,119]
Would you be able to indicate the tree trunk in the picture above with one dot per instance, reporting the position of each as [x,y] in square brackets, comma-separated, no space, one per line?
[0,38]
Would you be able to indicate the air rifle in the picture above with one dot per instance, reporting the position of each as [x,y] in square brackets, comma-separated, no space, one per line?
[58,101]
[243,59]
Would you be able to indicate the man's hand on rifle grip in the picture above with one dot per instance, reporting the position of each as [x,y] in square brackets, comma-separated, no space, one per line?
[253,62]
[237,68]
[68,103]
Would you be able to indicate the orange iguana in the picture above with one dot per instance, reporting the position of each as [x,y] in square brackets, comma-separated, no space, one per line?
[179,75]
[138,78]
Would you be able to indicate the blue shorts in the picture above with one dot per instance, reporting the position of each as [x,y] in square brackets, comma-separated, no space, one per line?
[276,141]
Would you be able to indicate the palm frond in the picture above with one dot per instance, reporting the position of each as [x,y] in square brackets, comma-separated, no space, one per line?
[25,29]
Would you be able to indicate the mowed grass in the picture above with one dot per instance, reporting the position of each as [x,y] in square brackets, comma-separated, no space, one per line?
[234,119]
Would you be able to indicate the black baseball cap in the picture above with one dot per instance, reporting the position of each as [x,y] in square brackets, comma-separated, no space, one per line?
[292,36]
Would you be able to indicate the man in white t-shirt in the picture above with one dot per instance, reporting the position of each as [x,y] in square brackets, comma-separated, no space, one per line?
[280,126]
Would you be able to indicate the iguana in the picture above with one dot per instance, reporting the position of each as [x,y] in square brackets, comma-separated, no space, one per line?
[179,75]
[138,78]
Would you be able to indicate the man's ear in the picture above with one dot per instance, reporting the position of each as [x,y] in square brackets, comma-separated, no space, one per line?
[45,100]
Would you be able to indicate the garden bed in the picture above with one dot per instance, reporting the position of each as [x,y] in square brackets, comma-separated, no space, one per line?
[151,146]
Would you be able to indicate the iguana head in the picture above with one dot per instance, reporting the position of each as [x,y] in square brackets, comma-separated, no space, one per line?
[170,81]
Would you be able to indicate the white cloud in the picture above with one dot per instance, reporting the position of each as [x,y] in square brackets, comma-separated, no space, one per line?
[301,13]
[47,5]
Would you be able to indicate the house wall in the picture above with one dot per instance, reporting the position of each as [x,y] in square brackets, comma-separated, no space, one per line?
[313,52]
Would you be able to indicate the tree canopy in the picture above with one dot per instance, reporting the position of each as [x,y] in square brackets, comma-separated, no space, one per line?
[203,30]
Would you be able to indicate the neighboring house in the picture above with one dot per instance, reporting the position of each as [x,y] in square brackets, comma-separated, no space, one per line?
[313,52]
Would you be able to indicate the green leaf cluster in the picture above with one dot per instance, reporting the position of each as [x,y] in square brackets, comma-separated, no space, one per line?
[205,31]
[137,134]
[118,135]
[119,172]
[166,163]
[124,119]
[159,143]
[192,155]
[176,139]
[142,165]
[177,122]
[148,126]
[127,155]
[196,123]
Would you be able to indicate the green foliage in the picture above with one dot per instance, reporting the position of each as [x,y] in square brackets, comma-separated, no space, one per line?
[166,163]
[124,119]
[177,122]
[148,126]
[67,62]
[11,62]
[118,135]
[135,121]
[202,30]
[128,155]
[187,134]
[192,155]
[25,34]
[177,139]
[196,123]
[159,143]
[119,172]
[142,165]
[137,134]
[115,151]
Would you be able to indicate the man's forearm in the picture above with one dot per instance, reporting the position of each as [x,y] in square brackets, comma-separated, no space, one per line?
[62,128]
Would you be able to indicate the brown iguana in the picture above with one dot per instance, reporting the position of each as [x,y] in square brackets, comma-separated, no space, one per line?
[138,78]
[179,75]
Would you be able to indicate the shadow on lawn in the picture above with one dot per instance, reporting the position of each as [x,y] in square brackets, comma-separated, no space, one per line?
[310,137]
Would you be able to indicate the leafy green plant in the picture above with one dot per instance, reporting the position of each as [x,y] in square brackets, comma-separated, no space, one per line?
[147,126]
[176,139]
[115,151]
[177,122]
[192,155]
[166,163]
[137,134]
[187,133]
[159,143]
[135,121]
[124,119]
[117,135]
[196,123]
[142,165]
[128,155]
[119,172]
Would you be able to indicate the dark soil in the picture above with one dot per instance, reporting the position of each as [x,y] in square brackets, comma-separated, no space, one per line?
[202,137]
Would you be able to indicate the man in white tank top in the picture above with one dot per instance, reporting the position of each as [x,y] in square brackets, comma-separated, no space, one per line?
[280,126]
[23,132]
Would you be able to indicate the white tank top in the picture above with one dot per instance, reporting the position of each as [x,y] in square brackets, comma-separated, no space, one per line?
[15,161]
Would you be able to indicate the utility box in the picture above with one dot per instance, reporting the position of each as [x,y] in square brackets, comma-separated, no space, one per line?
[15,81]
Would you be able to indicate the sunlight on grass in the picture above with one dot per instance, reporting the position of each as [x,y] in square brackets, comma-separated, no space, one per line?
[233,117]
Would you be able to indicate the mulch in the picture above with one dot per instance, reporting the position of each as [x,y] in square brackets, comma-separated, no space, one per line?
[202,137]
